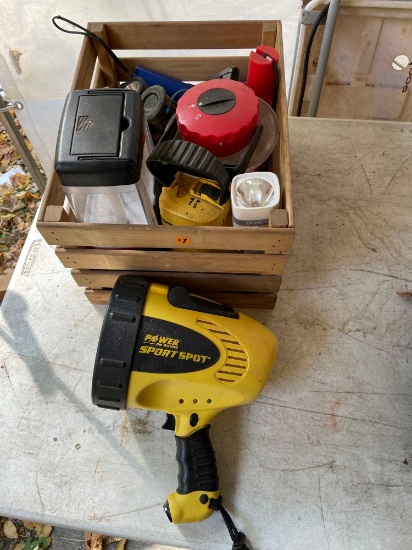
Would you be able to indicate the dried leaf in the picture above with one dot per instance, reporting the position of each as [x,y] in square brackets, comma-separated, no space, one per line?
[19,546]
[10,530]
[6,189]
[109,540]
[43,530]
[10,203]
[30,195]
[23,226]
[5,149]
[121,544]
[19,200]
[96,542]
[4,163]
[29,525]
[20,180]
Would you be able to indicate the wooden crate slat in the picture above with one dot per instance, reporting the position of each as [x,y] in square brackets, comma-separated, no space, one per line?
[269,33]
[186,68]
[85,66]
[98,79]
[58,213]
[269,240]
[159,260]
[195,282]
[175,35]
[106,63]
[241,300]
[53,196]
[281,155]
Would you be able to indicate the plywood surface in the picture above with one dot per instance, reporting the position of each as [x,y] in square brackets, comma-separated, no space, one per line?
[360,82]
[322,459]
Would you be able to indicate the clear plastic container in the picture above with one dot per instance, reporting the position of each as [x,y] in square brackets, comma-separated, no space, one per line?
[116,204]
[122,204]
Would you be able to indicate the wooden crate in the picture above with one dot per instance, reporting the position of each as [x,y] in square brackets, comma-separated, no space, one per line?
[208,260]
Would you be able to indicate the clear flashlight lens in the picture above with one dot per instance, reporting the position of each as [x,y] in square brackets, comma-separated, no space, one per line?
[254,193]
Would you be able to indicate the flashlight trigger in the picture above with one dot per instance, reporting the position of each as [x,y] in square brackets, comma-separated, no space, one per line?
[170,423]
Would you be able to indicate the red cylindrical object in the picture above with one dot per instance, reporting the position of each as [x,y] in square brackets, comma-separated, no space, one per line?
[261,76]
[220,115]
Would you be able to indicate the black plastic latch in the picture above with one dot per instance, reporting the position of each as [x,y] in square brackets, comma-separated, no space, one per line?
[181,298]
[230,73]
[210,191]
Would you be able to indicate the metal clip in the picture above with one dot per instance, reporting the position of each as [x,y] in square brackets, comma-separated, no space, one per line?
[309,17]
[11,106]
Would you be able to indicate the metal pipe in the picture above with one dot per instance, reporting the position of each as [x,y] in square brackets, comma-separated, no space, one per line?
[313,4]
[11,107]
[323,57]
[302,38]
[18,141]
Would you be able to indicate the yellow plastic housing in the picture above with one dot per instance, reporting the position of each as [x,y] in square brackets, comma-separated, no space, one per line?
[183,203]
[189,508]
[247,352]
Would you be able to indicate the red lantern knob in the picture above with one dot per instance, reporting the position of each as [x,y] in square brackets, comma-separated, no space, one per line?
[220,115]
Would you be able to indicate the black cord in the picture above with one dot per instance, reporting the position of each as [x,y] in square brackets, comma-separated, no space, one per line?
[90,34]
[277,76]
[238,538]
[276,91]
[318,21]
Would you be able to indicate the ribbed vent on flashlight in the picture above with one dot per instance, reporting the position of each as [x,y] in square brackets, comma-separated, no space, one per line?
[237,361]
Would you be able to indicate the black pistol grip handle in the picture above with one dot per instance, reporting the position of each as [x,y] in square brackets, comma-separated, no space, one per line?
[198,481]
[197,463]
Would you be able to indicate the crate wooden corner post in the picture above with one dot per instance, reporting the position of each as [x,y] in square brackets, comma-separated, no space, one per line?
[239,265]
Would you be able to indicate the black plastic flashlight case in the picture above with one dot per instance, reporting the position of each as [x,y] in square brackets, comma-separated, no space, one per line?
[100,138]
